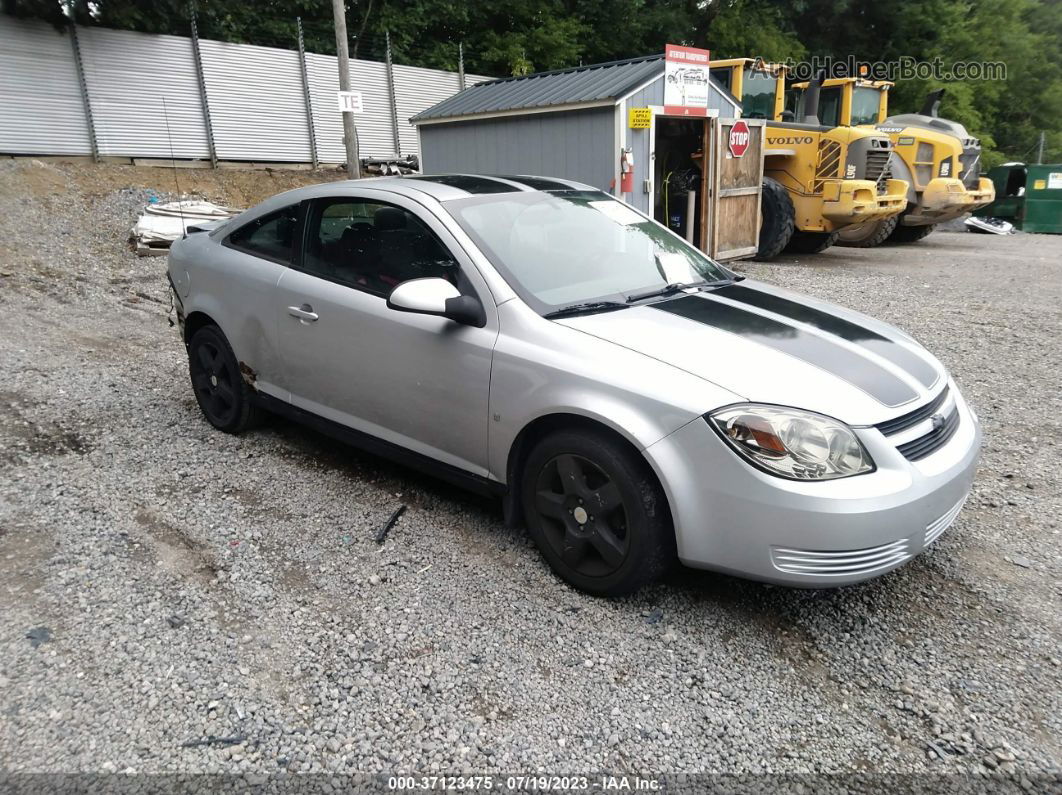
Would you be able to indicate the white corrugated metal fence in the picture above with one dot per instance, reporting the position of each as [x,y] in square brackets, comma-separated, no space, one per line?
[41,109]
[127,75]
[254,96]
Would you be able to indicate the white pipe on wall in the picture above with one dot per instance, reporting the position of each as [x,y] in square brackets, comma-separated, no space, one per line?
[691,209]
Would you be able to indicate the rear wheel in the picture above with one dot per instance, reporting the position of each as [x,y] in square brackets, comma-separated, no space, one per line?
[910,234]
[867,234]
[810,242]
[224,397]
[597,513]
[776,219]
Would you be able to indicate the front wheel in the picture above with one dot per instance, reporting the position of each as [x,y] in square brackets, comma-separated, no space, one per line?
[597,513]
[776,219]
[223,396]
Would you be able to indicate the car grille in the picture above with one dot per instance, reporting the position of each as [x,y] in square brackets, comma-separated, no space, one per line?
[909,420]
[935,528]
[927,445]
[934,438]
[842,563]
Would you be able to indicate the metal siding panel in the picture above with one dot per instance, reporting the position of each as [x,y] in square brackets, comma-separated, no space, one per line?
[574,145]
[256,103]
[601,157]
[717,100]
[639,140]
[128,75]
[417,89]
[375,136]
[40,100]
[653,94]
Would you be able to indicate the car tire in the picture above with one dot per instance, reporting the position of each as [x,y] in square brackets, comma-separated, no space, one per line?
[867,234]
[224,397]
[910,234]
[810,242]
[777,219]
[597,513]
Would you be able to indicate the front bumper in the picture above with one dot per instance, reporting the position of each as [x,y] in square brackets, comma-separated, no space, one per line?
[946,198]
[852,201]
[734,518]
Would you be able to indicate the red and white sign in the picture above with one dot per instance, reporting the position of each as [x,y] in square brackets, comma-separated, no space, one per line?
[685,81]
[739,138]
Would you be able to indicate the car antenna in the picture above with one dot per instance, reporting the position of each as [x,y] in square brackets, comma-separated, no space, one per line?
[173,163]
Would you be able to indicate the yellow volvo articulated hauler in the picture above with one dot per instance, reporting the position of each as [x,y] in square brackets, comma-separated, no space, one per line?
[818,178]
[938,158]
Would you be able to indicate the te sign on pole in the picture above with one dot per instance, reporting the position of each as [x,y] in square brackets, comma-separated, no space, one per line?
[349,101]
[686,81]
[739,138]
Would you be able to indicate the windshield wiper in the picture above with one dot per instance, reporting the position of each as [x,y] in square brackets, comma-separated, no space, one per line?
[585,309]
[676,287]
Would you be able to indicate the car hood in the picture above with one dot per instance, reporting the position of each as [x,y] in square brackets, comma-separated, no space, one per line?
[775,346]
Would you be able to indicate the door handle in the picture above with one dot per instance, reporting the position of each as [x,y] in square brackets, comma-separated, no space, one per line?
[304,313]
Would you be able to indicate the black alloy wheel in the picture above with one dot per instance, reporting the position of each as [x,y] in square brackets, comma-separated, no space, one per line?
[584,518]
[223,396]
[596,512]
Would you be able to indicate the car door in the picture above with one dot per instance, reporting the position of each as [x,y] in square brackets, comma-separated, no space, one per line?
[418,381]
[251,260]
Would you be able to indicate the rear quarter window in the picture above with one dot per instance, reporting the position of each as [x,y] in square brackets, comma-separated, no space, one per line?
[271,236]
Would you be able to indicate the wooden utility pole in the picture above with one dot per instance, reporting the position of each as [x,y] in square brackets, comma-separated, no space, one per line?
[350,134]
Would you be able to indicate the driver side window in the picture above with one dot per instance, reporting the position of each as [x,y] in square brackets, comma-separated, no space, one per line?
[372,246]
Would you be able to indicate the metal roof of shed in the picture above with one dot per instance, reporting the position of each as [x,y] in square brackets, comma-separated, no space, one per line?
[602,84]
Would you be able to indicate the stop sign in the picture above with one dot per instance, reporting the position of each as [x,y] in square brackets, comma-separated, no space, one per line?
[739,138]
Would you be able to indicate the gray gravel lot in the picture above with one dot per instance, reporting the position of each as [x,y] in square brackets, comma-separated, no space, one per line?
[163,584]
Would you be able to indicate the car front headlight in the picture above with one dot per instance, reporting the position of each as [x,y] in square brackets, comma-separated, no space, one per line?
[792,443]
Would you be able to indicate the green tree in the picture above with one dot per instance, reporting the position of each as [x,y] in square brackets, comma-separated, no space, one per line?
[504,37]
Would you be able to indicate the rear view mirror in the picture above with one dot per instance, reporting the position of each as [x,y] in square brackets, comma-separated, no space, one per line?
[438,297]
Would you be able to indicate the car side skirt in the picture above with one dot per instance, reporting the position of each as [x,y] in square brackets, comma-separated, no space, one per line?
[393,452]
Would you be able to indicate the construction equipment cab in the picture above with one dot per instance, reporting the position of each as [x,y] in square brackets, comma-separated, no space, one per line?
[938,158]
[818,178]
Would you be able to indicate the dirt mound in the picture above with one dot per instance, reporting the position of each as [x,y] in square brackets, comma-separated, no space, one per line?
[40,178]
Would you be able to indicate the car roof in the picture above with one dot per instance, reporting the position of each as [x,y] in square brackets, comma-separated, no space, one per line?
[444,187]
[440,187]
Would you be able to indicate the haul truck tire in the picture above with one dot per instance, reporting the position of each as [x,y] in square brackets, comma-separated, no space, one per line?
[910,234]
[777,220]
[868,234]
[810,242]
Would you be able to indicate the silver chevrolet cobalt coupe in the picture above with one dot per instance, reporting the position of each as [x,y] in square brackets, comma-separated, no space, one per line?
[630,400]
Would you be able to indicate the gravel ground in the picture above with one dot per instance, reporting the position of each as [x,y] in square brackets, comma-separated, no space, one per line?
[175,599]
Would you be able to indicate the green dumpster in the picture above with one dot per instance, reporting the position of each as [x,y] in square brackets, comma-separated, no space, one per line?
[1027,195]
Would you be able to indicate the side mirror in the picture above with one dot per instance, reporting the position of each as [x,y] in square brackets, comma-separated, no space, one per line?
[435,296]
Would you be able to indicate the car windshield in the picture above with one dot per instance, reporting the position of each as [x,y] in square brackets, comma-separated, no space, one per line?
[562,248]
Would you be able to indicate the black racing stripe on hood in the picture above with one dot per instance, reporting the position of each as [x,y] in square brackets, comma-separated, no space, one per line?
[848,365]
[902,357]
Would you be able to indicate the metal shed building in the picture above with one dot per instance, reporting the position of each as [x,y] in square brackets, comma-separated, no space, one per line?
[570,123]
[578,124]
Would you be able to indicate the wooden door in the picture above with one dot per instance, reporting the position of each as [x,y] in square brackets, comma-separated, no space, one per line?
[730,217]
